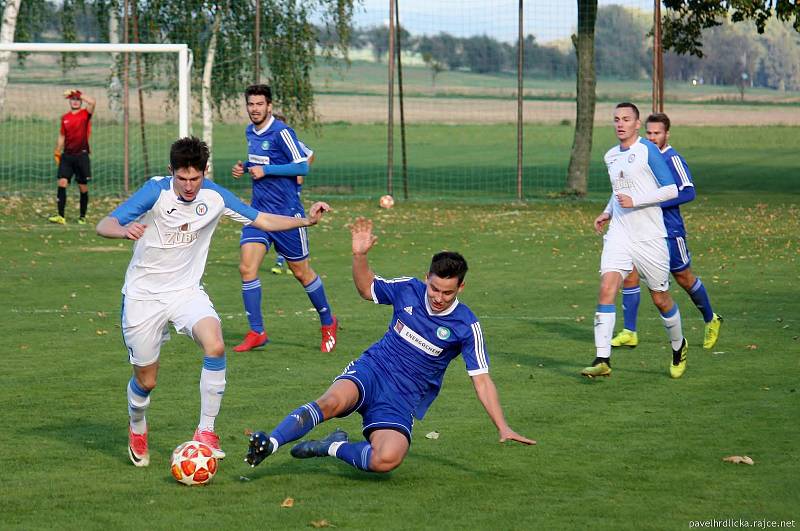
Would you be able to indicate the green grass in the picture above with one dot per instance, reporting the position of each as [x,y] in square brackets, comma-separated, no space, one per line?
[472,162]
[636,451]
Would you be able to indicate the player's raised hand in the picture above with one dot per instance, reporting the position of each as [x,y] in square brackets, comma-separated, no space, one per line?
[237,170]
[363,239]
[600,222]
[511,435]
[134,231]
[316,211]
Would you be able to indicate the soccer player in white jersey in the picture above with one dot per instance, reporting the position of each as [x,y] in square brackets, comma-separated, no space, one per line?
[636,238]
[396,379]
[171,219]
[657,127]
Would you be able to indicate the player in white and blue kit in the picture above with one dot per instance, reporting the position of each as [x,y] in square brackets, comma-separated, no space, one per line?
[636,237]
[396,379]
[274,161]
[172,220]
[657,127]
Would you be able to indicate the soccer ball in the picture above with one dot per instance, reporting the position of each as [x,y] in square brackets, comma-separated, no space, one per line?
[193,463]
[386,201]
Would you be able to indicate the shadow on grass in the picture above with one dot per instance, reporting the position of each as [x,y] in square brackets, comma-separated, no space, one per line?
[109,439]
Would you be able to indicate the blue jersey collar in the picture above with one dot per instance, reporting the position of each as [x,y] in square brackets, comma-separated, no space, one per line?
[264,129]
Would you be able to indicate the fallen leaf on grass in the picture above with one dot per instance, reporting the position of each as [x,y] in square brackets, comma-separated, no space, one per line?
[738,459]
[321,523]
[432,435]
[287,503]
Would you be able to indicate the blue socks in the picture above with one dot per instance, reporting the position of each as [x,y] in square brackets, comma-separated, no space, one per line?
[251,295]
[356,455]
[299,422]
[700,299]
[630,306]
[316,293]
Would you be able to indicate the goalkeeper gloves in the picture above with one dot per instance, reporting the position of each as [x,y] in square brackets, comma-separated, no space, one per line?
[57,156]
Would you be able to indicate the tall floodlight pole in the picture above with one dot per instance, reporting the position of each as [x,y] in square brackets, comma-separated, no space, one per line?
[390,130]
[658,60]
[520,64]
[399,45]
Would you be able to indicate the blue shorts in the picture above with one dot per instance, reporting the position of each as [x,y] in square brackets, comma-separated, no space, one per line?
[292,244]
[380,404]
[679,256]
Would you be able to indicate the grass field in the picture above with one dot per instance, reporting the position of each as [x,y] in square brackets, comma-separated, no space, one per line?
[636,451]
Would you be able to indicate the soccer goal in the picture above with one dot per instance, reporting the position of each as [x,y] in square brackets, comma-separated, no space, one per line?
[142,94]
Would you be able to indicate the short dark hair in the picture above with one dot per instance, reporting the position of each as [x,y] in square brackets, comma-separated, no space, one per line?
[258,90]
[659,118]
[189,152]
[448,264]
[628,105]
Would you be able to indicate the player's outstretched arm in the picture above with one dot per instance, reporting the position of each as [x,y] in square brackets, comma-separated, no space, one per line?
[487,394]
[109,227]
[276,223]
[363,240]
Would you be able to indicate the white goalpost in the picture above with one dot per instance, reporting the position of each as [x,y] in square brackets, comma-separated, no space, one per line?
[123,140]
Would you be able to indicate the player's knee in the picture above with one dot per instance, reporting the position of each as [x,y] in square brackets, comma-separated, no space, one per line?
[214,349]
[385,460]
[146,381]
[248,271]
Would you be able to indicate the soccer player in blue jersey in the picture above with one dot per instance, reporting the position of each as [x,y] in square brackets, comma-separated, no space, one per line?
[171,220]
[636,237]
[396,379]
[657,127]
[274,161]
[279,267]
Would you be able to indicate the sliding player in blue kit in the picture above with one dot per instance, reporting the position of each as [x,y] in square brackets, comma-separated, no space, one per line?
[396,379]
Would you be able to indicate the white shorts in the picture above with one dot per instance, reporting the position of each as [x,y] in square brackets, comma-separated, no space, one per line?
[145,324]
[650,257]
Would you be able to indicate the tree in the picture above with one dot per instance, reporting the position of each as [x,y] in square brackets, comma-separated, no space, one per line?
[436,66]
[685,20]
[578,170]
[620,43]
[7,29]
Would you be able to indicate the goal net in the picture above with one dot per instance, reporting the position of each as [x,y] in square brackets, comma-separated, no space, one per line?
[131,130]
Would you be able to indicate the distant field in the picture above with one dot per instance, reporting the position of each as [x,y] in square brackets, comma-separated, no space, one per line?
[468,161]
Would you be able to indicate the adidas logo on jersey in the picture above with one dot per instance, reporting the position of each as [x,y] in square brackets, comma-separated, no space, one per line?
[409,310]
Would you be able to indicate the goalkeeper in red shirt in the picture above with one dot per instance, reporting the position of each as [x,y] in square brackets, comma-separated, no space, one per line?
[72,153]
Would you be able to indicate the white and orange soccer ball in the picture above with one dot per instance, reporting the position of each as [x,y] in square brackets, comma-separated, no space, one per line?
[193,463]
[386,201]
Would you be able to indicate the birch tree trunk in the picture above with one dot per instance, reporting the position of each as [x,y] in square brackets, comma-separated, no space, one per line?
[9,26]
[208,111]
[115,85]
[580,157]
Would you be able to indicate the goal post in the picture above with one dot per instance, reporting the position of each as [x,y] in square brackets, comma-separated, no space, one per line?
[34,103]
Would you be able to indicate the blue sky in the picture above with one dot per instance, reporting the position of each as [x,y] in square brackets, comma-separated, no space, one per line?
[547,19]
